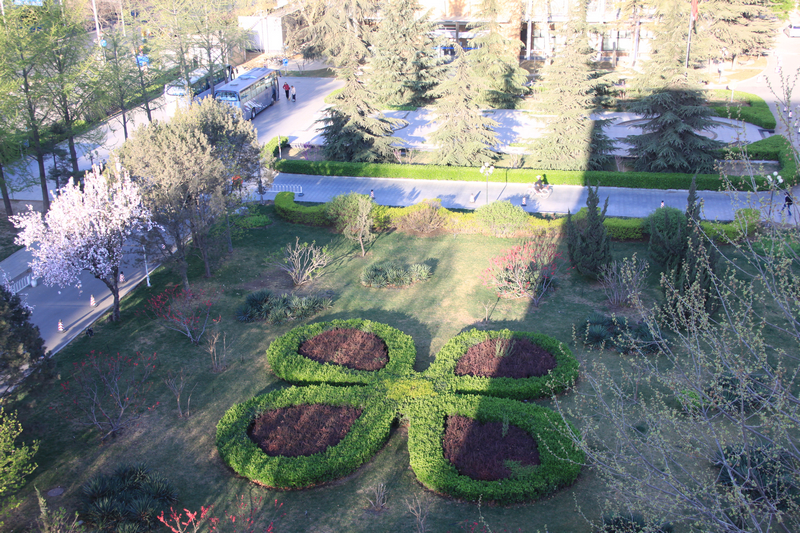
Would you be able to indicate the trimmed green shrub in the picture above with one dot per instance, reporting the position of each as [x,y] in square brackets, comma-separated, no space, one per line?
[271,146]
[560,460]
[288,364]
[381,275]
[502,218]
[253,221]
[758,113]
[557,380]
[129,499]
[635,180]
[287,209]
[367,435]
[626,229]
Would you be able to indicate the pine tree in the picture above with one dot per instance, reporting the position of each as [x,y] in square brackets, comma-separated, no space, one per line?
[354,130]
[404,66]
[464,136]
[738,26]
[495,58]
[21,345]
[696,269]
[670,141]
[574,141]
[588,245]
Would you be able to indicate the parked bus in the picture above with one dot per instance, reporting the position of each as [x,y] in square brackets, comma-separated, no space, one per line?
[200,83]
[251,92]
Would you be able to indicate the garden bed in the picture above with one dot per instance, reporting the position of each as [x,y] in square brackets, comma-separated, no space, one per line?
[508,358]
[481,450]
[302,429]
[352,348]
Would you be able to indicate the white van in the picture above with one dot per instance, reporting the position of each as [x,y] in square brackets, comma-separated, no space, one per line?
[793,30]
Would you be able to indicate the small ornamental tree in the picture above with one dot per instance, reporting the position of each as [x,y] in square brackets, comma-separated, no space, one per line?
[588,244]
[15,459]
[85,229]
[110,391]
[185,311]
[525,271]
[352,215]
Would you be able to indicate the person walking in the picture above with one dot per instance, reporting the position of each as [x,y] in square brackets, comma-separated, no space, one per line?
[787,203]
[286,90]
[294,94]
[662,203]
[372,194]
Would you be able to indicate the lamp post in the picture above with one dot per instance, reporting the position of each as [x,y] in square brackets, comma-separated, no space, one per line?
[487,170]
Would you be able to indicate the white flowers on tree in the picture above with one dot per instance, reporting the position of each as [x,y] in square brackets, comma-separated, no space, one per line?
[84,230]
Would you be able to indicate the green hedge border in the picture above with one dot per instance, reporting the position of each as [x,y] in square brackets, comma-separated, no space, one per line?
[758,114]
[621,229]
[287,364]
[559,379]
[426,432]
[366,437]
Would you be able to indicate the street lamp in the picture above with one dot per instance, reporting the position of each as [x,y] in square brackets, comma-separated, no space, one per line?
[487,170]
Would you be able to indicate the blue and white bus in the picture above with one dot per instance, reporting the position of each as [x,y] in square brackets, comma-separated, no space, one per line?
[199,82]
[251,92]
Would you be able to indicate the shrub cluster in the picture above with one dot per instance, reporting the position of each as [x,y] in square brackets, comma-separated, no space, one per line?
[560,460]
[757,113]
[278,308]
[616,333]
[557,380]
[366,436]
[385,217]
[287,363]
[287,209]
[253,221]
[382,275]
[127,500]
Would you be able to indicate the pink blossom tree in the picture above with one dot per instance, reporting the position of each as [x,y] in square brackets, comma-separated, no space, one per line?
[84,230]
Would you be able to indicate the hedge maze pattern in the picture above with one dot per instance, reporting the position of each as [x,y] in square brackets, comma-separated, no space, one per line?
[425,398]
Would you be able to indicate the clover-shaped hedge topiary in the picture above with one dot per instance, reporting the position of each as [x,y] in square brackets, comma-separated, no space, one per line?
[426,398]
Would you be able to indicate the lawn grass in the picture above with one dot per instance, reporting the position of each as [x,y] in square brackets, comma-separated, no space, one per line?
[183,449]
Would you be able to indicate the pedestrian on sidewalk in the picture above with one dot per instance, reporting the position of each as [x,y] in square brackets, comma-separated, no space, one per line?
[286,90]
[372,194]
[787,203]
[662,203]
[294,94]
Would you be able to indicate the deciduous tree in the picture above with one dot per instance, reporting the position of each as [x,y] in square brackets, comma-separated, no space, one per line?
[85,229]
[352,215]
[15,459]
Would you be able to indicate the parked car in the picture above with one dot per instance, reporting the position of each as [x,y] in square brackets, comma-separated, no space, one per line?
[793,30]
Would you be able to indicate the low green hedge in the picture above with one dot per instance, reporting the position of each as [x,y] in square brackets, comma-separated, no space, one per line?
[758,112]
[287,364]
[289,210]
[271,146]
[636,180]
[557,380]
[560,459]
[621,229]
[366,437]
[774,148]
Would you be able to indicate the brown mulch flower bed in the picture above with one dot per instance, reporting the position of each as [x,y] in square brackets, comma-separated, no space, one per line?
[480,451]
[352,348]
[302,429]
[514,358]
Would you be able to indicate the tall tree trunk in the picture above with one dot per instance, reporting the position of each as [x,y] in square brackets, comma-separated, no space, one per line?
[4,191]
[113,286]
[73,153]
[636,33]
[228,232]
[143,86]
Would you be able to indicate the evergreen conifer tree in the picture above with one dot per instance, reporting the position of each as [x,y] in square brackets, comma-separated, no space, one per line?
[464,136]
[354,130]
[495,58]
[21,345]
[588,245]
[574,141]
[668,233]
[670,140]
[697,267]
[738,26]
[404,66]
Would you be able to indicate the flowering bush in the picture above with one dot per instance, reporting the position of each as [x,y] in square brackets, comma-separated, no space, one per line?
[525,271]
[181,310]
